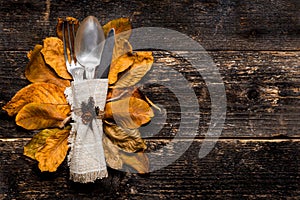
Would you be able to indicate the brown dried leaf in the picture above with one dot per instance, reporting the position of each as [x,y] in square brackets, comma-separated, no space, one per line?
[53,52]
[41,115]
[122,47]
[122,27]
[137,161]
[142,64]
[128,140]
[118,66]
[129,112]
[112,155]
[38,71]
[38,93]
[54,150]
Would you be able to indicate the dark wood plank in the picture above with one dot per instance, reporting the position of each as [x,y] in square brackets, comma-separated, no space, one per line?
[216,24]
[235,169]
[262,90]
[255,45]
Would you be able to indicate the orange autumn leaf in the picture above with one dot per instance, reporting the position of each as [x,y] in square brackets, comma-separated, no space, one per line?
[128,140]
[38,71]
[141,65]
[138,94]
[138,161]
[122,27]
[125,92]
[129,112]
[38,93]
[40,115]
[54,150]
[118,66]
[53,52]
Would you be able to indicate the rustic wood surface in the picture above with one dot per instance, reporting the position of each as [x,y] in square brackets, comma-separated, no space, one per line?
[255,45]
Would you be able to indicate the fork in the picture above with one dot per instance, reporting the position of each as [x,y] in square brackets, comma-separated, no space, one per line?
[73,67]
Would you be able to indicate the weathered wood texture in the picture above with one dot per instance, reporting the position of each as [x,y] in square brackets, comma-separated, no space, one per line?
[217,24]
[262,91]
[255,45]
[235,169]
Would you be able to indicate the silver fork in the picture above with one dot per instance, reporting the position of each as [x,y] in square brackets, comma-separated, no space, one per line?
[74,68]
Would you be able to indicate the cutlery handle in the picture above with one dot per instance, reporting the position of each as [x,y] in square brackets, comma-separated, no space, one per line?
[86,158]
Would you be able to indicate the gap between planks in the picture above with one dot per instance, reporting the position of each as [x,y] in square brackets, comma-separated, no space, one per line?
[225,139]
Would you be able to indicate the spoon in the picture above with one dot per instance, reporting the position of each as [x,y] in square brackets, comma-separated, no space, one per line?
[89,44]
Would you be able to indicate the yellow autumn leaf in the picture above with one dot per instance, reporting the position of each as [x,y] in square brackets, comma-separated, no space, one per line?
[111,153]
[54,150]
[138,161]
[40,115]
[129,112]
[53,52]
[36,143]
[122,27]
[141,65]
[38,71]
[38,93]
[128,140]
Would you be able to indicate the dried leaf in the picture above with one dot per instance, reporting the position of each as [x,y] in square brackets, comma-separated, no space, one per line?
[40,115]
[54,150]
[38,93]
[122,28]
[128,140]
[121,25]
[120,65]
[37,142]
[112,155]
[53,52]
[138,94]
[122,47]
[116,93]
[142,64]
[38,71]
[125,92]
[129,112]
[137,161]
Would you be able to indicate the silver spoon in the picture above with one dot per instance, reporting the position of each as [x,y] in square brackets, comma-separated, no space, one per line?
[89,43]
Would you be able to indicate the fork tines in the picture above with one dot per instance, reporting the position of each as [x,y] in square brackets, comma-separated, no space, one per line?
[68,35]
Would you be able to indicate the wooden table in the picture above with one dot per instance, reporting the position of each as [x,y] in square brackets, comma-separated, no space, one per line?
[256,47]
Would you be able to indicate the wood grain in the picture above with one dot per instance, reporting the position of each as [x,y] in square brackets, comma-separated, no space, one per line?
[216,24]
[237,169]
[262,90]
[256,47]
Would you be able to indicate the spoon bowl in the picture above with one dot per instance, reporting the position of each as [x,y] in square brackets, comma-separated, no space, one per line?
[89,43]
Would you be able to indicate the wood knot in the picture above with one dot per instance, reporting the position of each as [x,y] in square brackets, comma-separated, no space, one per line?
[253,93]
